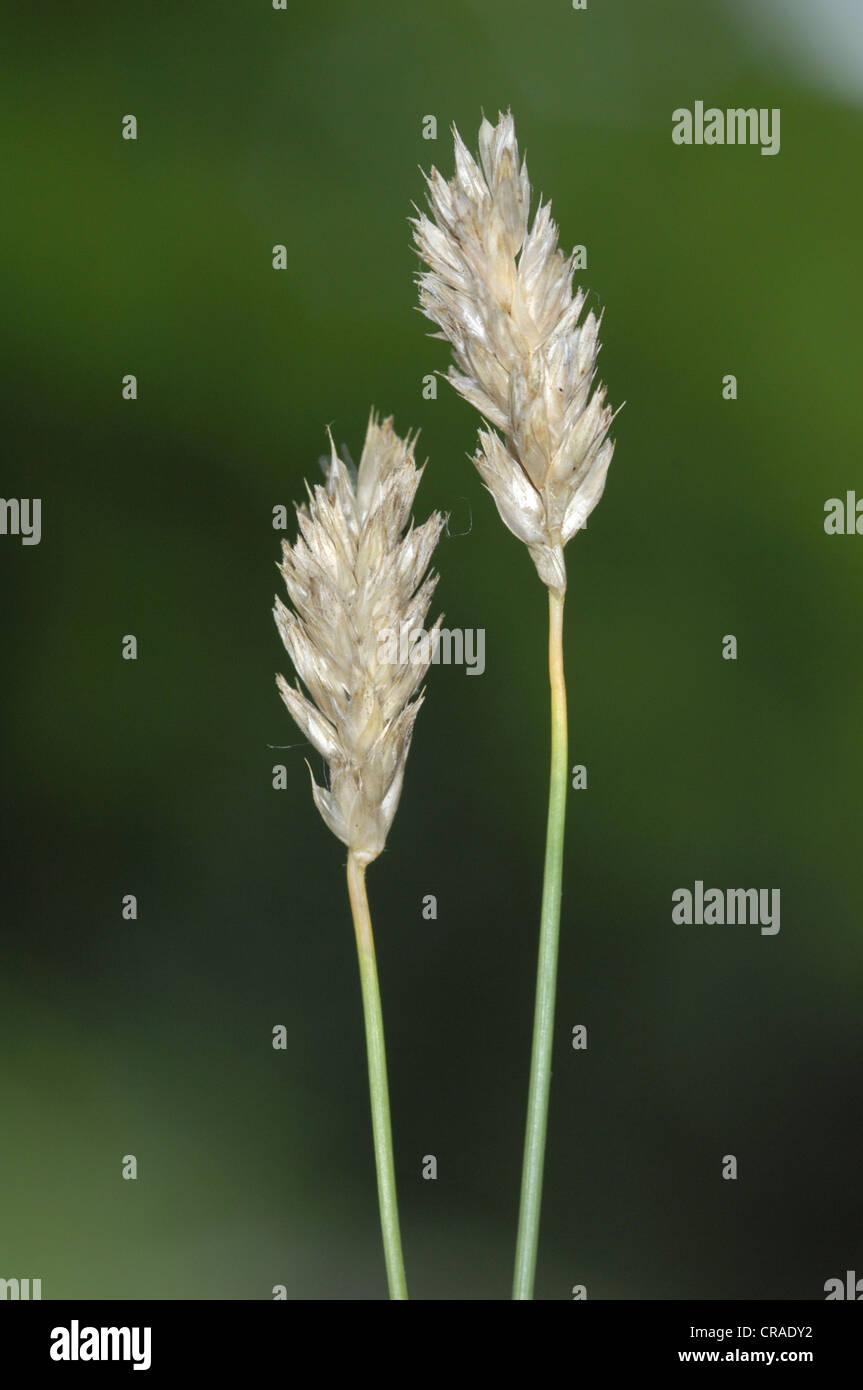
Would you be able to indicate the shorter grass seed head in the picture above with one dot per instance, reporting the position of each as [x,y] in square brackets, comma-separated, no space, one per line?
[357,577]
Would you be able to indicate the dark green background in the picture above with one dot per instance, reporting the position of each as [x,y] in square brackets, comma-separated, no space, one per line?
[154,778]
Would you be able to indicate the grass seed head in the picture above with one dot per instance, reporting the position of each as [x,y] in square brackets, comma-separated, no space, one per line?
[357,577]
[524,357]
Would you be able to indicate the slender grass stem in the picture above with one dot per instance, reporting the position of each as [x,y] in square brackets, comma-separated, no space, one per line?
[379,1091]
[546,978]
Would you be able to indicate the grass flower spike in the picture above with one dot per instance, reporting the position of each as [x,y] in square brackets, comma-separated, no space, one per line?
[501,294]
[358,581]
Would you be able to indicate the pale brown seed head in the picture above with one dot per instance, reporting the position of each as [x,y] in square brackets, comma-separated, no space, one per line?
[358,584]
[502,295]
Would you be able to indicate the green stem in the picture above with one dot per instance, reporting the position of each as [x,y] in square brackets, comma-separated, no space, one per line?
[383,1139]
[546,978]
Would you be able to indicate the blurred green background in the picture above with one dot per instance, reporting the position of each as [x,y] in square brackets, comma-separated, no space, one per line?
[153,1037]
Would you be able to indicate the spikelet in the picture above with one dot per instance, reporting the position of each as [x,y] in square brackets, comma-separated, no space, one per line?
[356,581]
[503,298]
